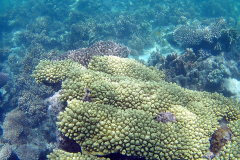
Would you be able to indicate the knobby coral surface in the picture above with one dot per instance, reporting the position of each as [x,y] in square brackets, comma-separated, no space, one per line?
[126,98]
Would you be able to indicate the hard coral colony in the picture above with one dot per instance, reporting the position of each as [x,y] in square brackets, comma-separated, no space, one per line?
[132,105]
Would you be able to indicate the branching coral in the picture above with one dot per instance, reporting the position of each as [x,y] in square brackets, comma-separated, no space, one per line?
[194,35]
[126,100]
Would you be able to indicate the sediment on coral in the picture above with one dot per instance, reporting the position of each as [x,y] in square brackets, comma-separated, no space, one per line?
[121,116]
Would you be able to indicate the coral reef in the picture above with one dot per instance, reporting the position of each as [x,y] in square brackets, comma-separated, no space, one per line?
[197,70]
[82,27]
[21,134]
[121,118]
[234,144]
[37,30]
[66,26]
[26,120]
[211,35]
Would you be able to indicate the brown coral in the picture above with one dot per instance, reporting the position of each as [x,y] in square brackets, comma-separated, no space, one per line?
[220,138]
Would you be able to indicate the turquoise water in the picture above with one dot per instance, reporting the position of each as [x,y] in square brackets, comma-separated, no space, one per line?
[195,43]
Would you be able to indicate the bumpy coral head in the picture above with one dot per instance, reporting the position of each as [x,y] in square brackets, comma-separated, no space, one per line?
[4,77]
[166,117]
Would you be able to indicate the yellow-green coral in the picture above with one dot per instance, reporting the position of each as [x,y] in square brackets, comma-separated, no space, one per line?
[116,66]
[123,97]
[52,72]
[63,155]
[102,129]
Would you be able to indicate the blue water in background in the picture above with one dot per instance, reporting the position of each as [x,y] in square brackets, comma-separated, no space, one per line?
[33,30]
